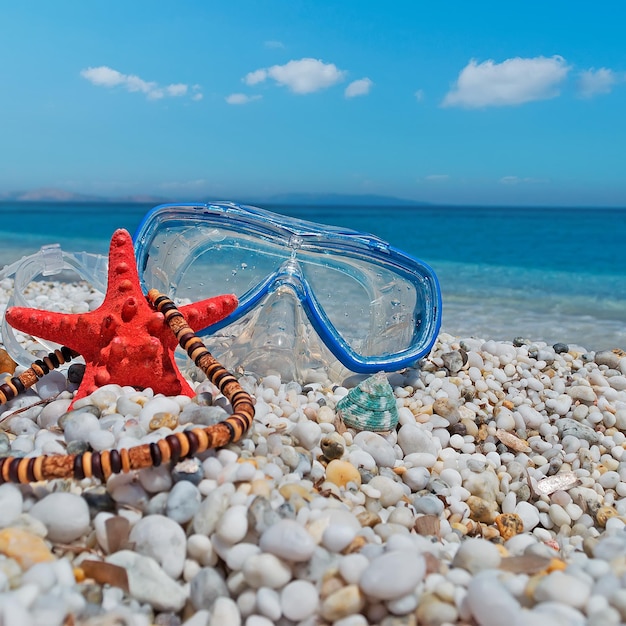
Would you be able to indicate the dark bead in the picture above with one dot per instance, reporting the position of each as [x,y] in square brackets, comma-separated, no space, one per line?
[7,391]
[42,365]
[155,454]
[14,467]
[194,443]
[54,359]
[96,466]
[18,384]
[30,470]
[175,449]
[231,429]
[79,473]
[116,461]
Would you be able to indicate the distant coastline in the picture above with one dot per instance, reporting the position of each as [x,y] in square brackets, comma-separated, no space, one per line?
[52,195]
[298,199]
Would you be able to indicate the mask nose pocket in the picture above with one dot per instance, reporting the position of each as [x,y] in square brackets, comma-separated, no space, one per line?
[276,336]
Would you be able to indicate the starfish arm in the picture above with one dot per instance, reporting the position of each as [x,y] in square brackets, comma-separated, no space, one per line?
[201,314]
[49,325]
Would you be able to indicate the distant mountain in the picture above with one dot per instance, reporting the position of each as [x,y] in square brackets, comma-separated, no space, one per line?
[52,194]
[340,199]
[46,194]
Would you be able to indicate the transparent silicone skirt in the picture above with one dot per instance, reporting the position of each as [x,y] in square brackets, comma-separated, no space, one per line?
[312,298]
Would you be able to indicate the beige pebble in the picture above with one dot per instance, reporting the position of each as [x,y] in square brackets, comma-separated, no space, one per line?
[604,513]
[164,420]
[325,415]
[295,490]
[346,601]
[482,510]
[342,472]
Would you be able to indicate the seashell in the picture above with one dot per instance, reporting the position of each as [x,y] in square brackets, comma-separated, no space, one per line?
[370,405]
[512,441]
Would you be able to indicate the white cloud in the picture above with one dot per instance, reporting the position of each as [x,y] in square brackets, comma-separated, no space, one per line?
[104,76]
[436,178]
[511,82]
[419,95]
[593,82]
[518,180]
[253,78]
[303,76]
[359,87]
[240,98]
[272,43]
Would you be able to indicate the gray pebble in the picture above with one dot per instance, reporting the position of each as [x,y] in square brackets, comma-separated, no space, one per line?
[183,501]
[206,586]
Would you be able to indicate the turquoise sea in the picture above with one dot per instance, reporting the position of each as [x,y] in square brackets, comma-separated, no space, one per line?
[549,274]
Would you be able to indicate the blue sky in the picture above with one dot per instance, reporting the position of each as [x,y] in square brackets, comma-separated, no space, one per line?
[448,102]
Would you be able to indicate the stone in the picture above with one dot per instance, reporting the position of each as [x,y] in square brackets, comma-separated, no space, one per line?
[299,600]
[448,409]
[266,570]
[11,502]
[568,426]
[162,539]
[490,602]
[454,361]
[225,613]
[413,438]
[206,587]
[582,393]
[509,525]
[288,540]
[345,601]
[25,547]
[341,473]
[434,612]
[78,425]
[390,490]
[376,445]
[233,524]
[147,582]
[183,501]
[563,588]
[65,515]
[393,575]
[475,555]
[528,514]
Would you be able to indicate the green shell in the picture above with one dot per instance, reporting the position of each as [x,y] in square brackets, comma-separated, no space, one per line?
[370,405]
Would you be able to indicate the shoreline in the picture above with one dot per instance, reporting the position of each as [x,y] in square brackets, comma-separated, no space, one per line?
[498,498]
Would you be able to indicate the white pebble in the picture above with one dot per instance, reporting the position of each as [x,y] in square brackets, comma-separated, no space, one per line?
[225,613]
[65,515]
[299,600]
[162,539]
[11,502]
[233,524]
[288,540]
[266,570]
[393,575]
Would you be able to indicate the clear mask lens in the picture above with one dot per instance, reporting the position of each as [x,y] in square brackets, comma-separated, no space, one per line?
[374,310]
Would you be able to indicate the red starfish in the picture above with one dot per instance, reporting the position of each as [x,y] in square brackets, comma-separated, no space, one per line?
[124,341]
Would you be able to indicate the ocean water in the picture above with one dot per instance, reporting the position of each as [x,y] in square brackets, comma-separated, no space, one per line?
[548,274]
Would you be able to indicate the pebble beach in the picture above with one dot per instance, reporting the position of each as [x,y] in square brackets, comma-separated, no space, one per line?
[499,498]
